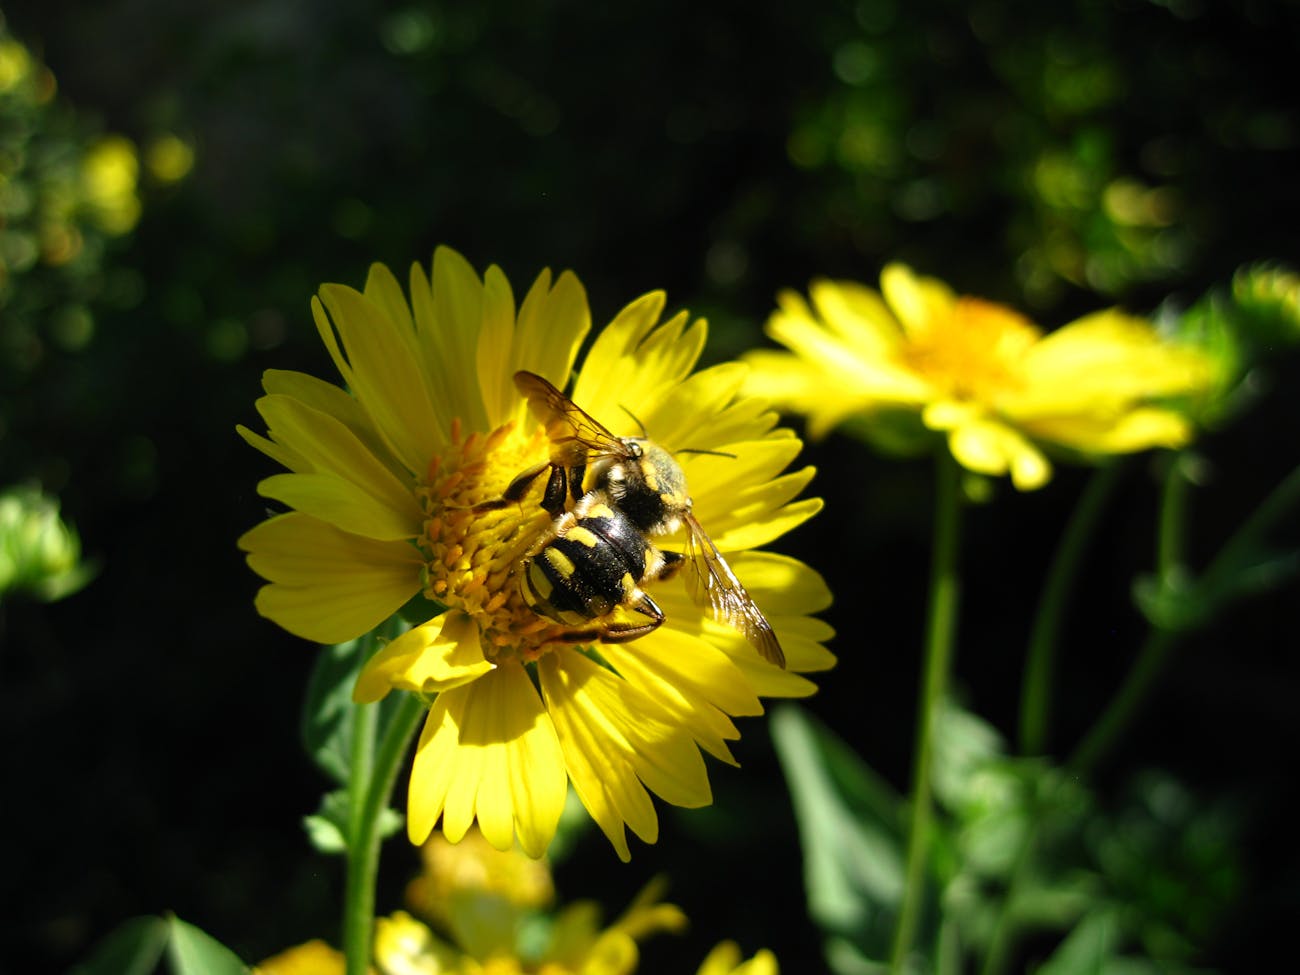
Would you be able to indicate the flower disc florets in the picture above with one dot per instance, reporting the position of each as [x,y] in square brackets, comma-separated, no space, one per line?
[471,553]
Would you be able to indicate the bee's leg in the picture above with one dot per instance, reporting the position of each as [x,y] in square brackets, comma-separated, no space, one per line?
[577,474]
[516,489]
[556,485]
[669,567]
[622,632]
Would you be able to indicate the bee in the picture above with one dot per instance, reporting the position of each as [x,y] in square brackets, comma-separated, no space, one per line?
[598,555]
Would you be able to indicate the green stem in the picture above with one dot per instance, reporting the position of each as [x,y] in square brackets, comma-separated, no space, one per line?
[1151,660]
[1005,928]
[1040,663]
[1173,516]
[1114,721]
[940,627]
[370,786]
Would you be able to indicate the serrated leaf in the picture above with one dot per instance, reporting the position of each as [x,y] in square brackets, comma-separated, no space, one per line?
[851,830]
[193,952]
[133,948]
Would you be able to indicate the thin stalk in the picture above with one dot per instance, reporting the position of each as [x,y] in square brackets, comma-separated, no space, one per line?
[1151,660]
[1173,516]
[1044,636]
[940,628]
[368,797]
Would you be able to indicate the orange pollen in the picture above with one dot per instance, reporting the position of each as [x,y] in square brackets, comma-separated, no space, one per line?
[472,554]
[974,352]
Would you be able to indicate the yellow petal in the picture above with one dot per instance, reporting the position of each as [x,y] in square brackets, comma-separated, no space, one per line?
[495,341]
[1104,359]
[435,656]
[279,453]
[633,363]
[692,682]
[489,751]
[328,585]
[758,516]
[858,315]
[918,302]
[453,343]
[553,321]
[341,503]
[688,414]
[1136,429]
[612,743]
[714,479]
[846,371]
[330,399]
[382,367]
[330,447]
[382,288]
[989,447]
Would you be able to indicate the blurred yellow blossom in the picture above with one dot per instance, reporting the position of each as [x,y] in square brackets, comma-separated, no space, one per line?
[109,173]
[485,904]
[312,958]
[169,158]
[726,959]
[979,373]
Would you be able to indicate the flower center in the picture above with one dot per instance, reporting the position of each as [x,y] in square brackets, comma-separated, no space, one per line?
[973,353]
[471,554]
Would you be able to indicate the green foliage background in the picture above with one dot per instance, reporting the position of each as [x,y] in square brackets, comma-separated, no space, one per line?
[1055,156]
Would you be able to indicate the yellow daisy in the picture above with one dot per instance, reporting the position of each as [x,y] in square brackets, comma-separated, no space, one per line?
[386,484]
[491,909]
[978,372]
[726,959]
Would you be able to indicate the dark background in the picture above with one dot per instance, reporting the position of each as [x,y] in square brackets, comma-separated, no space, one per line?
[721,151]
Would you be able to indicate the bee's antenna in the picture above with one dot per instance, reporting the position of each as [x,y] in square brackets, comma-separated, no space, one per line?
[701,450]
[636,420]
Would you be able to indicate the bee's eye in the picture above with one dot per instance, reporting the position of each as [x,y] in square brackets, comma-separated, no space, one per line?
[634,449]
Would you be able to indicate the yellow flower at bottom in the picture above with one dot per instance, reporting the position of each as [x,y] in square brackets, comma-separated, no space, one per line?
[386,483]
[987,378]
[310,958]
[725,959]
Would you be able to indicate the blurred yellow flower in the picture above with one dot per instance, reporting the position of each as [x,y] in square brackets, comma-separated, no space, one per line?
[978,372]
[169,158]
[15,64]
[311,958]
[485,913]
[109,172]
[725,959]
[385,480]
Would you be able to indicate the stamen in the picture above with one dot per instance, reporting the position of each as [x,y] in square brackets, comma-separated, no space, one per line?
[472,556]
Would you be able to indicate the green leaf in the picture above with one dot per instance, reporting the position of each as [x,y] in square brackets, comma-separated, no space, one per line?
[1088,947]
[133,948]
[328,707]
[851,829]
[194,953]
[326,725]
[327,828]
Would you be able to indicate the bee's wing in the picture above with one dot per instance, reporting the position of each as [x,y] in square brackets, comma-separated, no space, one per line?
[574,435]
[711,583]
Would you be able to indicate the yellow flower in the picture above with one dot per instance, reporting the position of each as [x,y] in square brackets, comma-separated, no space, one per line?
[387,481]
[312,958]
[488,928]
[986,377]
[725,959]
